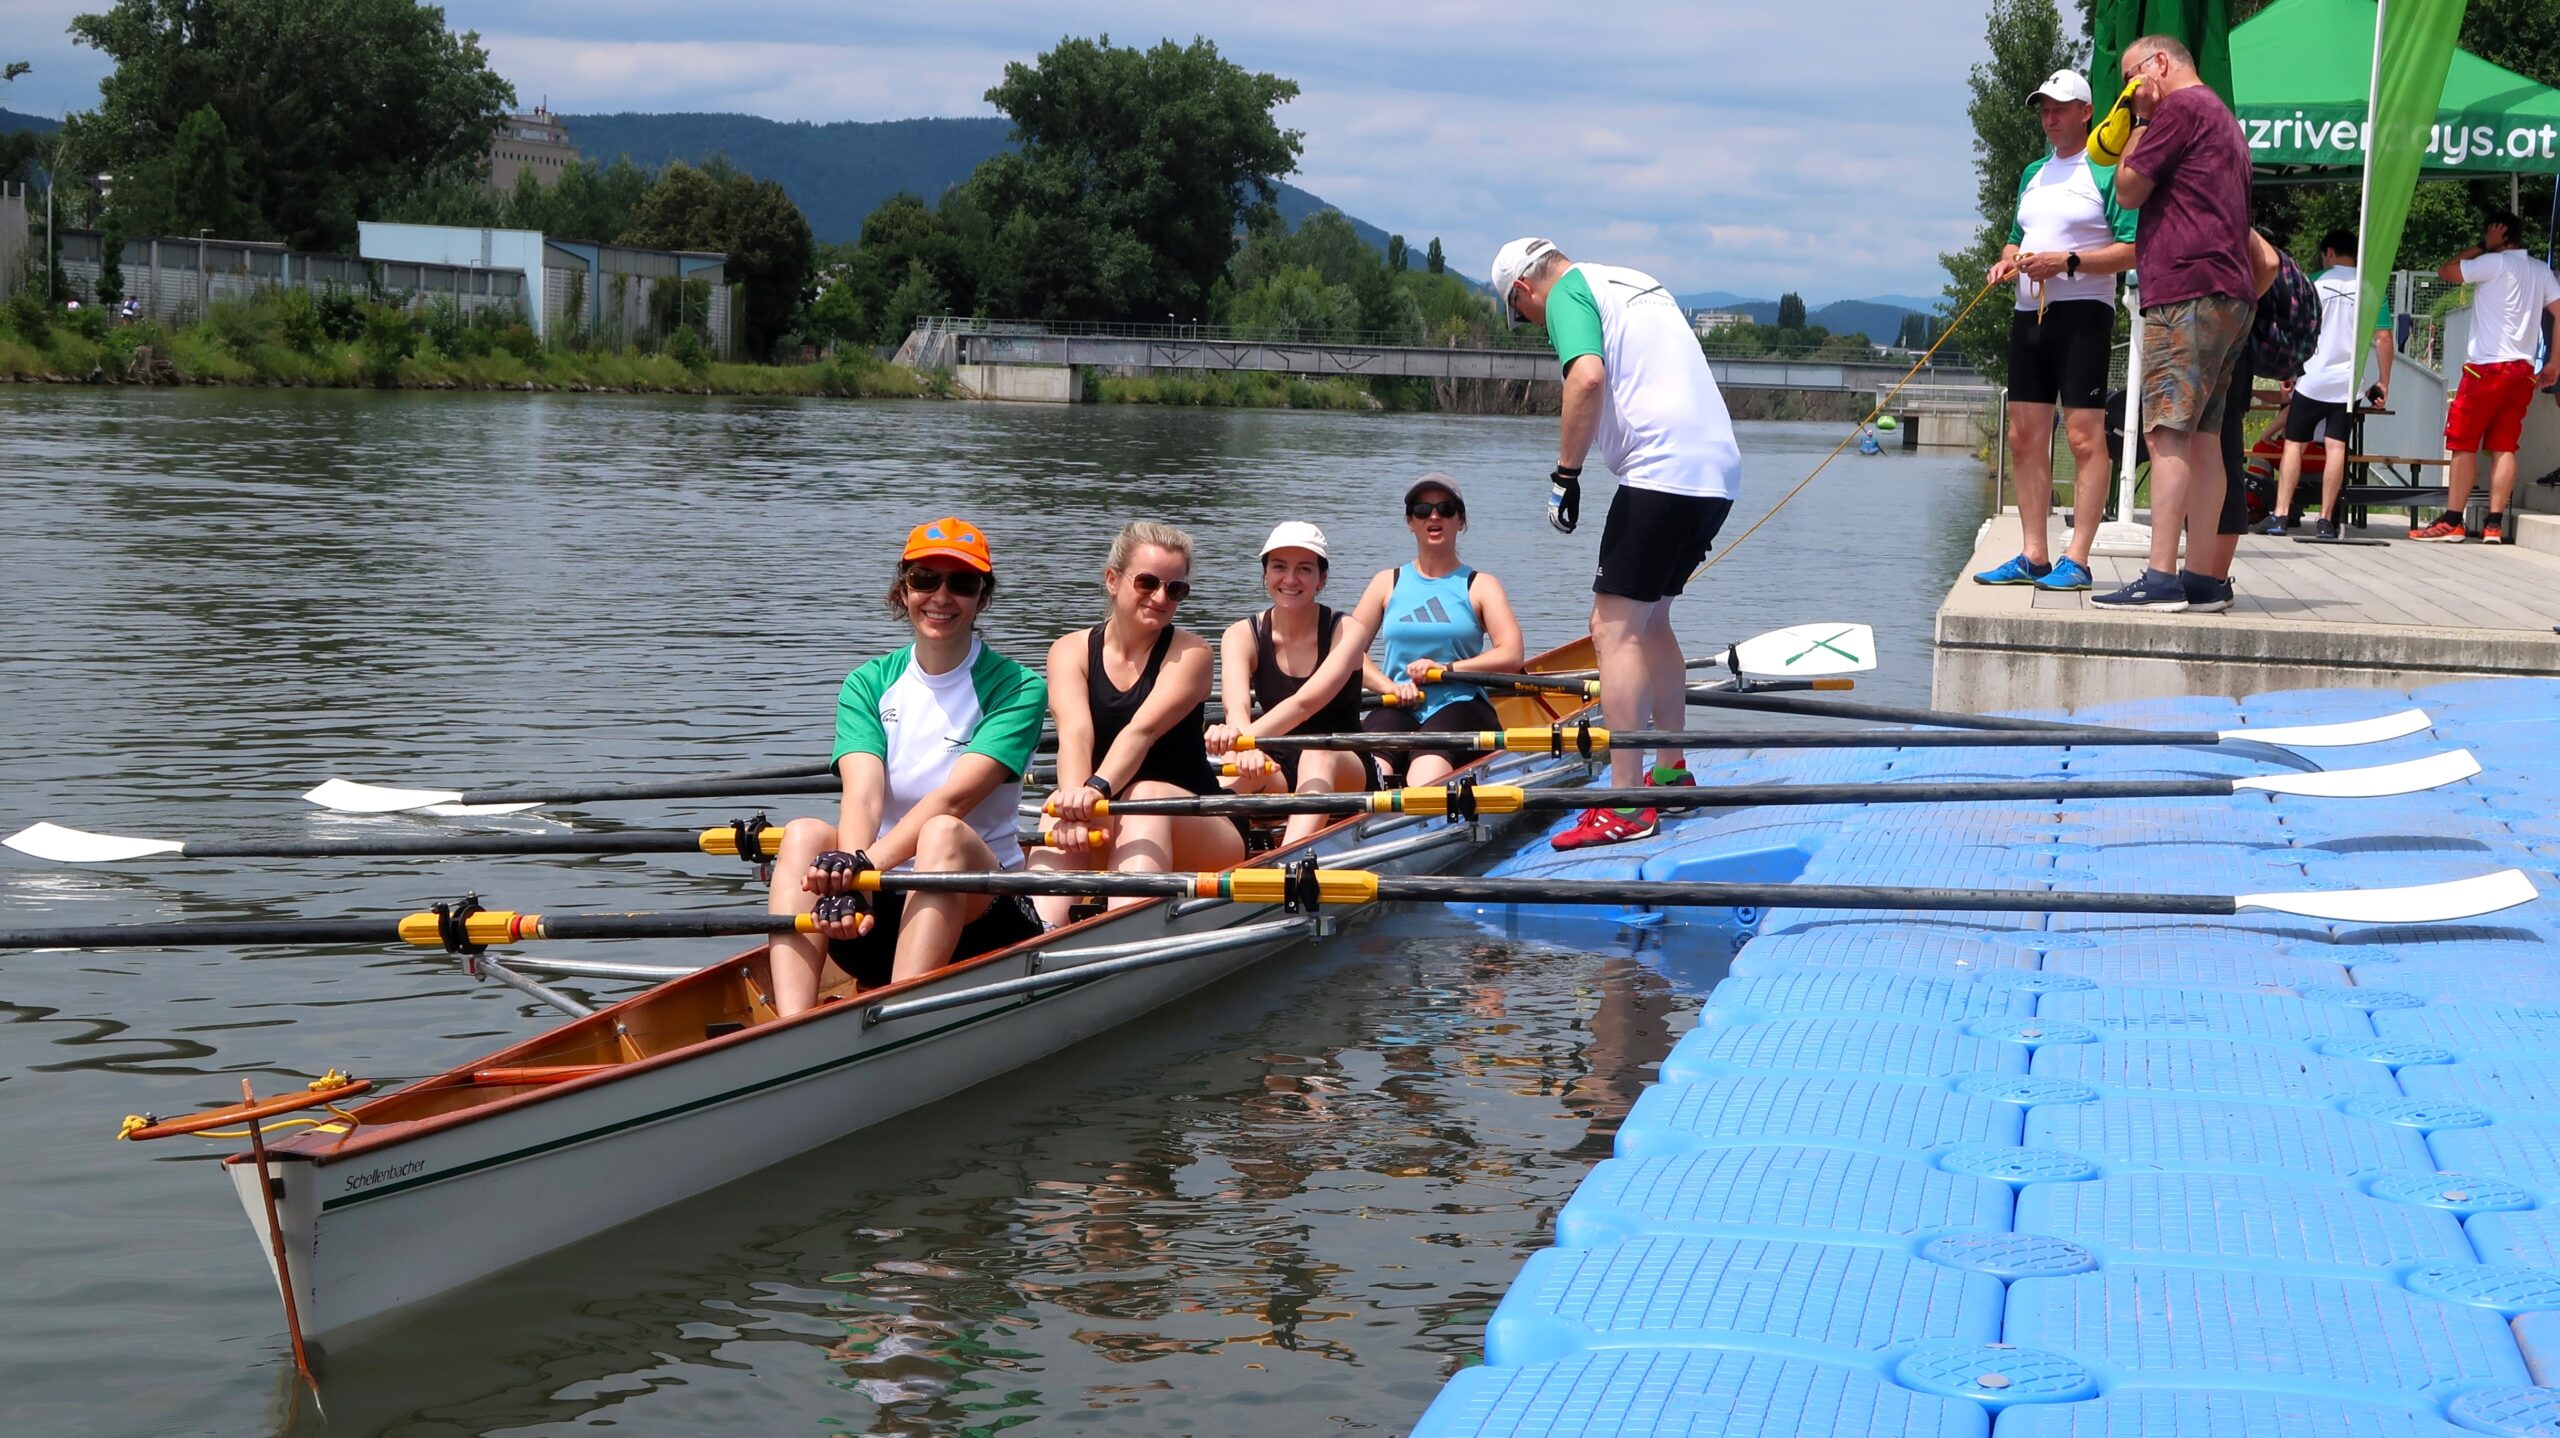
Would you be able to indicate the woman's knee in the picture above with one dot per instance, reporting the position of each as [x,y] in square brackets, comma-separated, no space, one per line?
[948,843]
[803,840]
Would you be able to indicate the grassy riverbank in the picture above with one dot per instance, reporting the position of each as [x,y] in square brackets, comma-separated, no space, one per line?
[289,339]
[1236,390]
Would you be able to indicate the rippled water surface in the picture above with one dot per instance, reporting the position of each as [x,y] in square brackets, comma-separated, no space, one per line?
[1283,1207]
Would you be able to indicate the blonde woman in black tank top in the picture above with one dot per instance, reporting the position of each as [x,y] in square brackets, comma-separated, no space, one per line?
[1294,666]
[1129,696]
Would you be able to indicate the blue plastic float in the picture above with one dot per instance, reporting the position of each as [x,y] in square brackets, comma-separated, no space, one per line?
[2020,1175]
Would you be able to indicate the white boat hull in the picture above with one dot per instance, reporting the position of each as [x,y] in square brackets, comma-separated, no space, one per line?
[402,1221]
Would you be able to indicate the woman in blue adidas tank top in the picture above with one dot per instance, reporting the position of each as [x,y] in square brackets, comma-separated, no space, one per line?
[1437,611]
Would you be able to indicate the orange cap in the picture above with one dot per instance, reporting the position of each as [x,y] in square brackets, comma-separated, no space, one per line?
[950,539]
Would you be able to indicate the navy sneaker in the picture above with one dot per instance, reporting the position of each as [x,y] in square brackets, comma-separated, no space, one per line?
[2067,574]
[2275,526]
[2015,571]
[2204,595]
[2154,590]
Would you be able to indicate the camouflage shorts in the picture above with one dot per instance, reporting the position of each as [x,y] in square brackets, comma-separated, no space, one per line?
[2188,348]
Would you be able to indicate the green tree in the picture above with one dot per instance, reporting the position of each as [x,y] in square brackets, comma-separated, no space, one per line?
[1791,311]
[1434,262]
[196,184]
[752,222]
[1399,259]
[1132,171]
[110,287]
[330,106]
[2027,43]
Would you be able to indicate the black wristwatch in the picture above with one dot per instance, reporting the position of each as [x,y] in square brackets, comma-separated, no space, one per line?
[2071,264]
[1098,784]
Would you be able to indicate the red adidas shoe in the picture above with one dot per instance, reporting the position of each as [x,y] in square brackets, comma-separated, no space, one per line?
[1609,826]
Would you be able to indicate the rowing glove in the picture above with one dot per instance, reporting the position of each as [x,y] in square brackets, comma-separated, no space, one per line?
[1564,497]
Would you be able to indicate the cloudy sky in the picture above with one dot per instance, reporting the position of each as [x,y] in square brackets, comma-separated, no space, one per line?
[1744,145]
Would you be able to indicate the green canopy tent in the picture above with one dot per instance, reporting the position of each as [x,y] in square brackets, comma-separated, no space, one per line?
[2301,72]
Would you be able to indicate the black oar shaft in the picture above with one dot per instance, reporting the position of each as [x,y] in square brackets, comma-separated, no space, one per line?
[627,841]
[726,787]
[1461,889]
[1761,701]
[1749,739]
[1683,797]
[217,934]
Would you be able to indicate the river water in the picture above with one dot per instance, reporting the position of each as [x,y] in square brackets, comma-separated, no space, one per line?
[1284,1207]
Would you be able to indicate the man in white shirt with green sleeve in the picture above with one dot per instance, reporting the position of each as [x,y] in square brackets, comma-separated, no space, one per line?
[1636,386]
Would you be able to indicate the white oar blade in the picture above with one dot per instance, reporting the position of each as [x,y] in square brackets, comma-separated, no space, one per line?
[348,797]
[2416,904]
[2339,736]
[78,846]
[1808,651]
[2376,781]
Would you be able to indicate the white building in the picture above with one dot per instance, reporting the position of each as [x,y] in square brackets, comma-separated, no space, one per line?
[573,287]
[1708,322]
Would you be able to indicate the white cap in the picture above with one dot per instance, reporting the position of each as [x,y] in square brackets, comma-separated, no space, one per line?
[2063,85]
[1297,534]
[1510,263]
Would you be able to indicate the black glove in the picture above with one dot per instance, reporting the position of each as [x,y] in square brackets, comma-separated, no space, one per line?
[835,908]
[837,861]
[1564,497]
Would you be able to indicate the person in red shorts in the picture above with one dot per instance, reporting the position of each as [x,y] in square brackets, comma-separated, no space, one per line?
[2511,292]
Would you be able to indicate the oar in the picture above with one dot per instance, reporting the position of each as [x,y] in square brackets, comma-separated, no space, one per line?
[2380,781]
[2416,904]
[2316,736]
[63,845]
[1571,738]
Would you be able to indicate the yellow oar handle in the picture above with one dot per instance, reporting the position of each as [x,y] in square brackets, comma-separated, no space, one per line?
[1093,838]
[1271,886]
[723,841]
[506,926]
[1544,739]
[1489,799]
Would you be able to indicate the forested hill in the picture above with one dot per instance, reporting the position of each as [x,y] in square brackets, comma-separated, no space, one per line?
[11,122]
[839,173]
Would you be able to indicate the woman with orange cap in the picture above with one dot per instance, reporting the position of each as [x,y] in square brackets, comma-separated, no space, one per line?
[1255,664]
[931,741]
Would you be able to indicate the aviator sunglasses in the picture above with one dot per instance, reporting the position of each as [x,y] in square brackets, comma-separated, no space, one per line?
[966,583]
[1176,590]
[1435,509]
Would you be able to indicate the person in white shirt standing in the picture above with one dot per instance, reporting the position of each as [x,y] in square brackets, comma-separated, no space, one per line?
[2065,249]
[2511,291]
[2318,409]
[1636,386]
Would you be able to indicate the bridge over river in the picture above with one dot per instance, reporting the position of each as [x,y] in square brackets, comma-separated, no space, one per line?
[967,345]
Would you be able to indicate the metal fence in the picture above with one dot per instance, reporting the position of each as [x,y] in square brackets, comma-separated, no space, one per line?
[175,280]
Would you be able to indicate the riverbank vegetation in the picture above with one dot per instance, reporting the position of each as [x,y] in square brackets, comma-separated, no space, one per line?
[340,340]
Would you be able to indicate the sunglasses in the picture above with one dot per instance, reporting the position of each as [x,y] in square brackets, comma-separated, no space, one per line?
[965,583]
[1435,509]
[1176,590]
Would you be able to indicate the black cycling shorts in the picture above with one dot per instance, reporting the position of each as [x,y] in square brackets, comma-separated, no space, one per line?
[2235,444]
[2306,420]
[2064,359]
[1654,541]
[873,957]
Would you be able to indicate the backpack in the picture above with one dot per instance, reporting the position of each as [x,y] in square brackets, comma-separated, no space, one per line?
[2288,326]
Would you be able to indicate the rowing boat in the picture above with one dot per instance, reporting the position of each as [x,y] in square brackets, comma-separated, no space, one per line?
[694,1082]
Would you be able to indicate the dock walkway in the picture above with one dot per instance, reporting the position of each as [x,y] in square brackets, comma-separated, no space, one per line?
[2034,1175]
[2393,615]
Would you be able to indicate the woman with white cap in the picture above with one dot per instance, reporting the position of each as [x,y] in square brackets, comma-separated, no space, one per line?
[1295,665]
[1437,613]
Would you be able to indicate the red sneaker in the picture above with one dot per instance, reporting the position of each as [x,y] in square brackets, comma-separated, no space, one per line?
[2493,532]
[1609,826]
[2443,531]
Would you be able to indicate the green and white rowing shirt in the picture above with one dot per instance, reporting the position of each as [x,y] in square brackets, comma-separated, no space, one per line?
[1663,424]
[2067,204]
[918,725]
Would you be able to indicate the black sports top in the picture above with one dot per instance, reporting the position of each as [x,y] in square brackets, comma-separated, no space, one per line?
[1180,755]
[1272,684]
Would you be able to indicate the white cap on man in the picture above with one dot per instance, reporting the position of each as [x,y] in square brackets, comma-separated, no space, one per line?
[1509,264]
[2063,85]
[1297,534]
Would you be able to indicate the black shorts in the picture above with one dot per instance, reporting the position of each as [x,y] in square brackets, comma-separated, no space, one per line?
[2063,360]
[871,958]
[1653,541]
[1466,716]
[2304,420]
[2235,446]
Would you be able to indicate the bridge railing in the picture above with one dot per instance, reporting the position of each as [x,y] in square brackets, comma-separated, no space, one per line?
[1513,341]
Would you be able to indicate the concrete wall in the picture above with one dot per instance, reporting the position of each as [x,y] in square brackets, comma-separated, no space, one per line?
[1028,384]
[518,250]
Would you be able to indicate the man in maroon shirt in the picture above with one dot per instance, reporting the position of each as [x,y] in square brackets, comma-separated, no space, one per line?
[2187,171]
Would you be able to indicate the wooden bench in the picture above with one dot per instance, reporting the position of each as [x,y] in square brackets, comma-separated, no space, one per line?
[2357,498]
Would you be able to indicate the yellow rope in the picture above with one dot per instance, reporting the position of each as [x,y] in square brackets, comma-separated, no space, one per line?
[329,1082]
[1854,431]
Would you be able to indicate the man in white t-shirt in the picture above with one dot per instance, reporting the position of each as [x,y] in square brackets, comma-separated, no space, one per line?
[1637,388]
[2319,407]
[2069,243]
[2511,292]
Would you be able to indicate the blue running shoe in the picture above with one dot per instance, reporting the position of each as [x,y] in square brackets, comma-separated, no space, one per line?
[2205,595]
[2016,571]
[2154,590]
[2067,573]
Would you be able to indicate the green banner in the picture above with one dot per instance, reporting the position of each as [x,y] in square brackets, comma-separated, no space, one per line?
[2203,26]
[2411,55]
